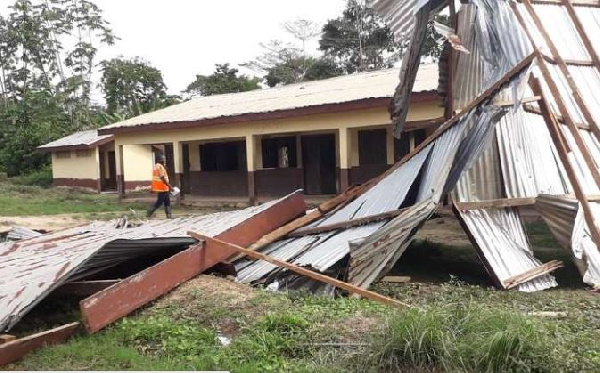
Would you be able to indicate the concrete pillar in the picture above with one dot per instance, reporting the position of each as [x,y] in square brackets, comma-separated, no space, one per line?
[119,167]
[345,148]
[99,160]
[178,163]
[251,167]
[389,144]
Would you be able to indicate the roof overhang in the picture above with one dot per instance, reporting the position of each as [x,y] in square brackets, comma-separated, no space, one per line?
[362,104]
[67,148]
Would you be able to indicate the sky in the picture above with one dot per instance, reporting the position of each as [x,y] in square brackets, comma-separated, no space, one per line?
[183,38]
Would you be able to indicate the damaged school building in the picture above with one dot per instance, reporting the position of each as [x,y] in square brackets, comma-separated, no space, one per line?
[519,81]
[317,136]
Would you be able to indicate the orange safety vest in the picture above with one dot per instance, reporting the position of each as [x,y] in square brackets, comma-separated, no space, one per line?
[157,184]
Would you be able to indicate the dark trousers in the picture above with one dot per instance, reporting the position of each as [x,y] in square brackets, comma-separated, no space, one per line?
[162,198]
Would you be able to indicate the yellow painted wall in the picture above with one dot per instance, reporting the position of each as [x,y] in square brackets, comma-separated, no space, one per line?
[76,167]
[137,162]
[318,123]
[312,123]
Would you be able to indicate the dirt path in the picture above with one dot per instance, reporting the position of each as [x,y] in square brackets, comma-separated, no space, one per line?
[47,222]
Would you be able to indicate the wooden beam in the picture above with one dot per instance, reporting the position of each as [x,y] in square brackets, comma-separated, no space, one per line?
[213,244]
[535,110]
[422,124]
[560,143]
[593,167]
[565,70]
[495,204]
[342,199]
[570,62]
[578,3]
[346,224]
[15,350]
[121,299]
[582,34]
[514,281]
[511,103]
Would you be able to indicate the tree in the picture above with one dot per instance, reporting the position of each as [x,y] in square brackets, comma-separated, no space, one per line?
[224,80]
[47,51]
[133,87]
[286,63]
[359,40]
[433,41]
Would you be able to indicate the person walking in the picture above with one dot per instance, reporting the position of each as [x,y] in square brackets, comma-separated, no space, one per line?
[160,186]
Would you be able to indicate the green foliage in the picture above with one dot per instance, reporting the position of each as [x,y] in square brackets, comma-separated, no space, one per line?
[359,40]
[133,87]
[47,52]
[461,338]
[42,178]
[224,80]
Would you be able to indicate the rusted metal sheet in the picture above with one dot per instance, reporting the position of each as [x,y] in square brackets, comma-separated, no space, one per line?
[31,269]
[15,350]
[128,295]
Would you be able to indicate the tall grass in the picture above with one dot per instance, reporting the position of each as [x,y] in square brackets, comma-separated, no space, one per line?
[458,338]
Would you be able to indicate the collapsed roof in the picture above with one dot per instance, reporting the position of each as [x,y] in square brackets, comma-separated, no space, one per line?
[502,149]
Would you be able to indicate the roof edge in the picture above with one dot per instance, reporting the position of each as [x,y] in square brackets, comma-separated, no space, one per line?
[361,104]
[52,149]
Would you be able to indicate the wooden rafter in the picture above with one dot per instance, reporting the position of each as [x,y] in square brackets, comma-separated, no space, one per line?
[560,143]
[216,244]
[592,165]
[563,68]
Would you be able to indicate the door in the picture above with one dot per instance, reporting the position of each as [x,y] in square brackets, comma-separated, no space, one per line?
[318,159]
[111,181]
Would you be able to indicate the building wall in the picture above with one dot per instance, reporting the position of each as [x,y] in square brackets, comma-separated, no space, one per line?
[76,170]
[345,125]
[137,163]
[306,124]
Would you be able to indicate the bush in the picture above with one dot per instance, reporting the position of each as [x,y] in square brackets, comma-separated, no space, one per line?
[459,338]
[41,178]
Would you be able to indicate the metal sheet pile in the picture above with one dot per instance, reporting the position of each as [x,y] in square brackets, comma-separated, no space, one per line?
[32,268]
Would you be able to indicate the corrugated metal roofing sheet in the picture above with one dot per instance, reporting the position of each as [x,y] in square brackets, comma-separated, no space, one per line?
[32,268]
[348,88]
[564,216]
[81,138]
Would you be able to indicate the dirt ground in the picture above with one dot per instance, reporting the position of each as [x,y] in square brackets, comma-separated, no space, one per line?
[49,223]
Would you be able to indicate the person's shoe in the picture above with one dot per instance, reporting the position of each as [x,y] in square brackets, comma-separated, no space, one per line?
[168,212]
[149,213]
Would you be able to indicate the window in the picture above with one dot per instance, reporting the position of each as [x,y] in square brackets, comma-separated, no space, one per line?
[223,156]
[63,155]
[279,152]
[83,153]
[372,147]
[408,142]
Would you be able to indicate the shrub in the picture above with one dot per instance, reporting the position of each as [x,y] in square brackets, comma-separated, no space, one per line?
[41,178]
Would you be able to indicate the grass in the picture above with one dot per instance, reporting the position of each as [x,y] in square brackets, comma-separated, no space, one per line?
[21,200]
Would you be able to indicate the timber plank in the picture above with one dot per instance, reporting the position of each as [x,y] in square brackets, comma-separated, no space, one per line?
[117,301]
[213,244]
[16,349]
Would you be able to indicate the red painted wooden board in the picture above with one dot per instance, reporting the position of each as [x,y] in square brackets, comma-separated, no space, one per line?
[15,350]
[117,301]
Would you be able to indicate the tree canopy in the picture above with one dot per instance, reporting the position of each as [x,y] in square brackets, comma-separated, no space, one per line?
[133,87]
[224,79]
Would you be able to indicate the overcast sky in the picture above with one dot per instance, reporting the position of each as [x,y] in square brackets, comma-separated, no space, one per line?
[187,37]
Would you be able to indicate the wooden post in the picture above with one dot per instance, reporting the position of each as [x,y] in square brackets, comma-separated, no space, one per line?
[251,167]
[217,244]
[560,143]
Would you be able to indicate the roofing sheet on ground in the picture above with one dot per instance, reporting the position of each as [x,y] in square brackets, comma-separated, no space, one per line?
[31,269]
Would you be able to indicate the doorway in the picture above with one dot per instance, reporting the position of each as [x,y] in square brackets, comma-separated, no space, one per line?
[319,162]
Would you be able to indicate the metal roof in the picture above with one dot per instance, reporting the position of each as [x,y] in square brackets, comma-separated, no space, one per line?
[338,90]
[87,138]
[31,269]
